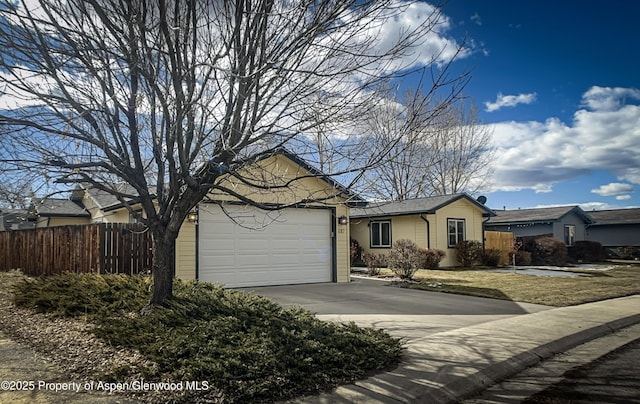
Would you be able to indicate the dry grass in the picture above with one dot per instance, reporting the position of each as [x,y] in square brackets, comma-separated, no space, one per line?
[552,291]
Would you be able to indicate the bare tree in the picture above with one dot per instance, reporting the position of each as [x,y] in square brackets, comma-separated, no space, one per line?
[441,149]
[461,152]
[15,194]
[170,96]
[400,123]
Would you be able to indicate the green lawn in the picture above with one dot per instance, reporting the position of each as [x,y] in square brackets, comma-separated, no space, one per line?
[624,280]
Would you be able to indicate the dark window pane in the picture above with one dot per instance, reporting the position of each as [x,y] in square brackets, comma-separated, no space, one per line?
[386,234]
[375,234]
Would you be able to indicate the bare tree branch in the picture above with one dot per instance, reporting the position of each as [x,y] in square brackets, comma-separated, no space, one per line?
[158,94]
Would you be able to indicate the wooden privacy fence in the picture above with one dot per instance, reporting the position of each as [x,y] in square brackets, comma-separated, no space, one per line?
[500,240]
[101,248]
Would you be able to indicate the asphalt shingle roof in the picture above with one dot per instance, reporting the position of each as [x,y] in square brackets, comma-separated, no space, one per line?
[58,207]
[537,215]
[616,216]
[107,200]
[411,206]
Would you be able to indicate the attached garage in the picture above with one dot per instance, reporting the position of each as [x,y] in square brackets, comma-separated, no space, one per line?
[242,246]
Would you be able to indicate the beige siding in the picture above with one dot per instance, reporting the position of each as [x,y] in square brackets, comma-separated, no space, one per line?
[460,209]
[410,227]
[186,252]
[116,216]
[343,246]
[414,228]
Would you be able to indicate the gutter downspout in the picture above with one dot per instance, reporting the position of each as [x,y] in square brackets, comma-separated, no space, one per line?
[429,231]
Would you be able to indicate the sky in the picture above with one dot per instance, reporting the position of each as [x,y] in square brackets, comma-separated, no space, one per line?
[559,84]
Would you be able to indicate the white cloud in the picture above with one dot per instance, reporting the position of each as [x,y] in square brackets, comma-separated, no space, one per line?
[509,101]
[623,197]
[613,188]
[608,98]
[538,155]
[408,17]
[477,19]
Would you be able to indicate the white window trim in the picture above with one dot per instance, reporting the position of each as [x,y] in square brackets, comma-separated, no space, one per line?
[458,237]
[571,240]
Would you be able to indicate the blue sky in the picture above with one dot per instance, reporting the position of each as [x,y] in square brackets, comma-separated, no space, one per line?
[559,82]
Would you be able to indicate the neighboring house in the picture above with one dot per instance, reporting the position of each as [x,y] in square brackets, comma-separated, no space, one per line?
[15,219]
[229,242]
[102,206]
[438,222]
[615,228]
[49,212]
[567,223]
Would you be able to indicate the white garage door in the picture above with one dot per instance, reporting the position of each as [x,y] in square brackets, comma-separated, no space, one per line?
[249,247]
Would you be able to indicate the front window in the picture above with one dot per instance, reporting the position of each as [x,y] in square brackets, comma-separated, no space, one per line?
[569,234]
[456,231]
[380,234]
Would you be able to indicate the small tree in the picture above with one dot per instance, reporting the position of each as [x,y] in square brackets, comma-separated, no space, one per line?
[520,257]
[403,259]
[516,253]
[374,262]
[468,252]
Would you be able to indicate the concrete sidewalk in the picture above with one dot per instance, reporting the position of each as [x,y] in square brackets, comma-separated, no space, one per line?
[449,366]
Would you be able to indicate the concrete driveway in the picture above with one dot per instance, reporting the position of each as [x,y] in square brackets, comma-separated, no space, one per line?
[405,313]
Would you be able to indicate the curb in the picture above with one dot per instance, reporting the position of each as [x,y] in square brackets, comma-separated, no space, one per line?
[454,365]
[498,372]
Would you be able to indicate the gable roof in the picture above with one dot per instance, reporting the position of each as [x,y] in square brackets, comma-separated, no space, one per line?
[107,201]
[538,215]
[353,199]
[58,207]
[427,205]
[616,216]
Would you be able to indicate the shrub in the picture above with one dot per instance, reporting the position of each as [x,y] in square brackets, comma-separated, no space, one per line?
[430,258]
[491,257]
[403,259]
[355,252]
[468,252]
[628,252]
[522,257]
[246,345]
[84,294]
[586,251]
[549,251]
[374,262]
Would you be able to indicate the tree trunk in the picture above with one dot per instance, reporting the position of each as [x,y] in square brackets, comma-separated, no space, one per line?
[164,263]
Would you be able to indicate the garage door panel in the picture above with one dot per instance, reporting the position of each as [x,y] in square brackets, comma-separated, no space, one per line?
[295,246]
[253,245]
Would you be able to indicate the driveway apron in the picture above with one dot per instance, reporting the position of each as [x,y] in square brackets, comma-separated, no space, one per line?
[405,313]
